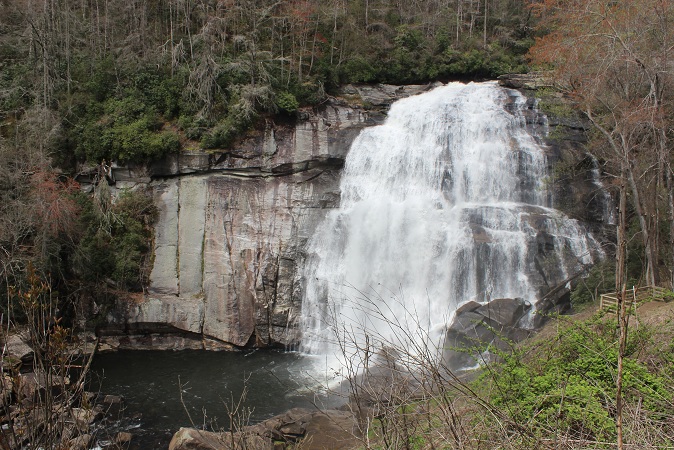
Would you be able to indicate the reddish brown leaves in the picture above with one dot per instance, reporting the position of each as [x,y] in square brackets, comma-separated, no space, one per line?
[54,208]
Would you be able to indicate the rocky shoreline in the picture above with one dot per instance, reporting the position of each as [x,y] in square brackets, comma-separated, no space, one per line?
[49,406]
[334,429]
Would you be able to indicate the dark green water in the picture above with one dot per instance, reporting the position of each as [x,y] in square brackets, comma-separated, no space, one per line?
[151,383]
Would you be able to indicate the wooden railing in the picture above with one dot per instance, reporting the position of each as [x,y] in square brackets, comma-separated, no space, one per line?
[634,297]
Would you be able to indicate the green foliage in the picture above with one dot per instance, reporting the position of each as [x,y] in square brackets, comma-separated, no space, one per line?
[552,103]
[193,127]
[408,38]
[101,82]
[600,280]
[115,244]
[570,385]
[162,93]
[126,130]
[489,62]
[287,102]
[225,131]
[115,88]
[357,70]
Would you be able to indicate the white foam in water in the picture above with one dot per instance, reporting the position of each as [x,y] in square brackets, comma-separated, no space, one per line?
[437,206]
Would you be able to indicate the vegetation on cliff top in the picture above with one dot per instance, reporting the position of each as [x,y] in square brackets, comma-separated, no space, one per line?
[132,82]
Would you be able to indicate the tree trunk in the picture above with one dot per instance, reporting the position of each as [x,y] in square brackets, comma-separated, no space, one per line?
[621,258]
[651,258]
[666,178]
[484,25]
[623,318]
[621,240]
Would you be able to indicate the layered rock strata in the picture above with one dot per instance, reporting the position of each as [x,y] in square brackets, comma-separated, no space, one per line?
[233,226]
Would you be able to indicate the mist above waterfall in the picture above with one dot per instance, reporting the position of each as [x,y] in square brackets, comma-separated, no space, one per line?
[445,202]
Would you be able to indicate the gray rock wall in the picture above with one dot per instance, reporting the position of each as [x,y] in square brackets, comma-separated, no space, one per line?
[232,230]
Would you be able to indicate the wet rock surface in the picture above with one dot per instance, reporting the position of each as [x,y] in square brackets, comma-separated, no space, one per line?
[478,327]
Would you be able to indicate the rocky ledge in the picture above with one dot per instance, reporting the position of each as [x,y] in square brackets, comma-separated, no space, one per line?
[332,429]
[44,404]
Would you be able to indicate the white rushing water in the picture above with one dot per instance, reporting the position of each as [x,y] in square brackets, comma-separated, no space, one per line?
[439,205]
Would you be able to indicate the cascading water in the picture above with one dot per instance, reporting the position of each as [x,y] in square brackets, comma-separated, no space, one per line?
[443,203]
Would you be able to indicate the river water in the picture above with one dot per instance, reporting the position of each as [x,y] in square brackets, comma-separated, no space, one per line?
[152,383]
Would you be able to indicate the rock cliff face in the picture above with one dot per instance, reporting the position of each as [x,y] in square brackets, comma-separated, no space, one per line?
[233,226]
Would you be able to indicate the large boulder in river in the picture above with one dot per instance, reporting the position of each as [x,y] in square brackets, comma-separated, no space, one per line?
[193,439]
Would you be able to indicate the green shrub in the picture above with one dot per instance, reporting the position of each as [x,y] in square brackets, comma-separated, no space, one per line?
[287,102]
[357,70]
[128,130]
[570,385]
[408,38]
[600,280]
[224,132]
[116,241]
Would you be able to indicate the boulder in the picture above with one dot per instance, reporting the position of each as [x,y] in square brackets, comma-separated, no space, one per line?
[82,442]
[476,327]
[506,312]
[192,439]
[382,95]
[31,385]
[113,405]
[528,81]
[85,418]
[314,430]
[332,430]
[468,306]
[288,427]
[122,438]
[16,349]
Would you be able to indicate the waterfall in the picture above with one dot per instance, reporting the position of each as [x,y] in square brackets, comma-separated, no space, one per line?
[443,203]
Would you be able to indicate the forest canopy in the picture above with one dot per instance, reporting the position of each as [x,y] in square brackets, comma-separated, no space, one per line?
[132,81]
[613,61]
